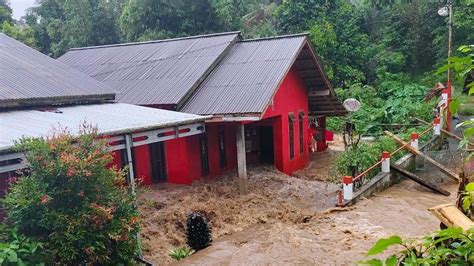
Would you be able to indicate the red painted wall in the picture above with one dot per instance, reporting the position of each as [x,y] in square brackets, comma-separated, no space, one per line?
[142,164]
[183,160]
[116,160]
[177,161]
[292,96]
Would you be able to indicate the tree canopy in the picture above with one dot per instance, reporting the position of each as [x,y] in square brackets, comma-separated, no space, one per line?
[359,41]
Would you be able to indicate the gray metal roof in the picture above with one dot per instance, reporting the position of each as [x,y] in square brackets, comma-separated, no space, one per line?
[246,79]
[109,118]
[155,72]
[28,77]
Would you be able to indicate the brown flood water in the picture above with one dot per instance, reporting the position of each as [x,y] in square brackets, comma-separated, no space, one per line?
[283,220]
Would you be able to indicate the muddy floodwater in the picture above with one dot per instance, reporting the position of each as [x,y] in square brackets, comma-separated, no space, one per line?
[283,219]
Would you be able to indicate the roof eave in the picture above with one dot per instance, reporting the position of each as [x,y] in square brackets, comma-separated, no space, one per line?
[59,100]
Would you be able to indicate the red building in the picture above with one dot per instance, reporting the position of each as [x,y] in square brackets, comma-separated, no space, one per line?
[261,94]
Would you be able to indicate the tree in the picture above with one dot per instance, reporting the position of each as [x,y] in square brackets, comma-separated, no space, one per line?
[167,18]
[5,12]
[71,202]
[335,30]
[60,24]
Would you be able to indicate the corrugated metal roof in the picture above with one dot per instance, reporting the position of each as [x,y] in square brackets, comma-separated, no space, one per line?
[28,77]
[109,118]
[156,72]
[247,78]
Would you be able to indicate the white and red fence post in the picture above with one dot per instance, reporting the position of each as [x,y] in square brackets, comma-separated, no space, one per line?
[386,162]
[437,126]
[347,187]
[414,140]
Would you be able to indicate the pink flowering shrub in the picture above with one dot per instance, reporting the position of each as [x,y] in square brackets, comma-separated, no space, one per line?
[71,202]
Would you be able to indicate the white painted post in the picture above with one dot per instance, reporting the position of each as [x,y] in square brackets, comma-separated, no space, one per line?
[386,162]
[241,160]
[437,126]
[414,140]
[444,99]
[347,187]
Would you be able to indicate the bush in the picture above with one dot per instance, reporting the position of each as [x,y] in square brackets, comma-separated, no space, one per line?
[357,159]
[198,231]
[450,246]
[17,249]
[80,209]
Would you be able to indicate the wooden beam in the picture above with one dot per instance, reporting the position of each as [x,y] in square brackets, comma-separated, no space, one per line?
[419,180]
[451,216]
[241,160]
[424,156]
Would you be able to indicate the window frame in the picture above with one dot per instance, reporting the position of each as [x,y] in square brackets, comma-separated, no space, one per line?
[291,135]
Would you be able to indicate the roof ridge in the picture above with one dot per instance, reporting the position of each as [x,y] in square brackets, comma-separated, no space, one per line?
[157,41]
[276,37]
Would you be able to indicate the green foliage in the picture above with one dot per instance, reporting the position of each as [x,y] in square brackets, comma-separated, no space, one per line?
[383,244]
[390,102]
[71,202]
[17,249]
[335,30]
[355,160]
[450,246]
[23,34]
[60,24]
[5,12]
[468,199]
[181,253]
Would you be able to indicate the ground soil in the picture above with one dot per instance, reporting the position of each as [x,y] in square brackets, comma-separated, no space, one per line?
[283,219]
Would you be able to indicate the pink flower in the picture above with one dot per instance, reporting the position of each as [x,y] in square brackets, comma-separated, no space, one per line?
[45,199]
[81,194]
[70,172]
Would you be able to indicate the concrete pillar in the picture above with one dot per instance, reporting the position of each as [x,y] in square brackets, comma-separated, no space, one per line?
[128,149]
[347,187]
[241,160]
[386,162]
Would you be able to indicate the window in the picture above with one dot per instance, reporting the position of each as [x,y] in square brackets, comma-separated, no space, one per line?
[222,155]
[291,134]
[301,128]
[204,155]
